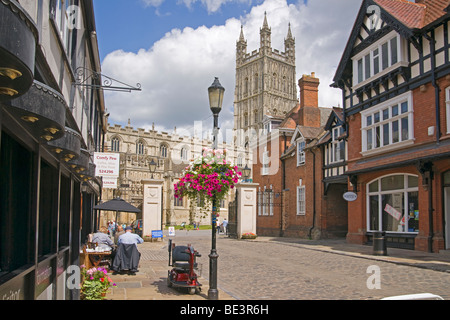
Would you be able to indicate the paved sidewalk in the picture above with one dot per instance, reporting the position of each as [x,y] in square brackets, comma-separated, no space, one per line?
[150,283]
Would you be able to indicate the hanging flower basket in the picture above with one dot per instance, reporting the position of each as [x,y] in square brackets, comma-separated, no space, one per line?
[209,177]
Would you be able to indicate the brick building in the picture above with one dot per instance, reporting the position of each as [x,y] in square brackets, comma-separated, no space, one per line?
[395,81]
[301,171]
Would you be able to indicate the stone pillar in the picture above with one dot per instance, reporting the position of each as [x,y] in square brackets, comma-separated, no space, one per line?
[247,210]
[152,206]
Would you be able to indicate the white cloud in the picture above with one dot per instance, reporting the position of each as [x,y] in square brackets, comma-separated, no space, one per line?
[177,70]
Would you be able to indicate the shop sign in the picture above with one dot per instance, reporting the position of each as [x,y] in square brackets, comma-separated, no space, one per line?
[106,164]
[109,183]
[350,196]
[393,212]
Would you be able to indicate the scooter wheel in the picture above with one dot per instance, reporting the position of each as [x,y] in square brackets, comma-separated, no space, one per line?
[192,290]
[169,283]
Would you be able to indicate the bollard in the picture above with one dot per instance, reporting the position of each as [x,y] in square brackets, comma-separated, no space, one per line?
[379,244]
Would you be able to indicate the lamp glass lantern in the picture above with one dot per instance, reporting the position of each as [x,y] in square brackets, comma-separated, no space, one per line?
[216,93]
[246,172]
[152,167]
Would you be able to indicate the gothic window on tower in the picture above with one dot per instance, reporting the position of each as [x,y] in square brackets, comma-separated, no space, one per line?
[115,144]
[140,147]
[163,151]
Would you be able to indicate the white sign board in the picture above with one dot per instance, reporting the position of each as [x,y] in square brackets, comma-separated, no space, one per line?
[350,196]
[107,164]
[109,183]
[171,231]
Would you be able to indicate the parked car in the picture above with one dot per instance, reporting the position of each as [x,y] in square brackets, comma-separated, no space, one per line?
[137,226]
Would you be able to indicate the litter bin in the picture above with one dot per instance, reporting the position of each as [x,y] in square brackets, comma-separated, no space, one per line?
[379,244]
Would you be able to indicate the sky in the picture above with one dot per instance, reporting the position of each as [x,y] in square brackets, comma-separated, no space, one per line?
[175,48]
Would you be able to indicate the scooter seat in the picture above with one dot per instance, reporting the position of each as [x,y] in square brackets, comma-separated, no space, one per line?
[183,265]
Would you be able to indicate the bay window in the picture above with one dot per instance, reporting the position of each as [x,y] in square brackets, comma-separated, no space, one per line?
[388,124]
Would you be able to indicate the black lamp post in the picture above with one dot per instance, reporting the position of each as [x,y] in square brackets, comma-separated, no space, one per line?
[152,167]
[215,93]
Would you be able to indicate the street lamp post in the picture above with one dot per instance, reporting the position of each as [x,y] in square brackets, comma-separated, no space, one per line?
[215,93]
[152,167]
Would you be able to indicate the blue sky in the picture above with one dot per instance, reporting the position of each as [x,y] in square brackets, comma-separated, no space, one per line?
[175,48]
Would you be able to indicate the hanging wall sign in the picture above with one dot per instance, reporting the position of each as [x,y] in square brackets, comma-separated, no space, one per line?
[350,196]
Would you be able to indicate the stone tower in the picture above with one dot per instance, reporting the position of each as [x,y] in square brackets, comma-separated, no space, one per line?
[265,81]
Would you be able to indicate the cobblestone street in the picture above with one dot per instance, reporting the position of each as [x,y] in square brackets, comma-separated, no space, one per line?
[282,270]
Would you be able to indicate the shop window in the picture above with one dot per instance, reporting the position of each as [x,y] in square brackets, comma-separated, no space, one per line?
[64,212]
[48,213]
[16,218]
[393,204]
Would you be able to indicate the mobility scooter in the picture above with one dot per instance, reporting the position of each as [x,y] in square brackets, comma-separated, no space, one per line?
[183,274]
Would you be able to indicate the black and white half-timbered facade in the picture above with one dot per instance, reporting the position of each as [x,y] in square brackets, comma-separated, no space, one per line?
[395,80]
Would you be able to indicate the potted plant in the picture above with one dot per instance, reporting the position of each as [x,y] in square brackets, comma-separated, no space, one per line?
[209,177]
[95,283]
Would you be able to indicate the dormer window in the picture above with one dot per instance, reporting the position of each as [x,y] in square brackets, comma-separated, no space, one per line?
[337,145]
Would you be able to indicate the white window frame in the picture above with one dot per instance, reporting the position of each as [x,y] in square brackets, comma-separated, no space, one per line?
[406,189]
[369,125]
[447,105]
[337,145]
[370,52]
[301,144]
[301,199]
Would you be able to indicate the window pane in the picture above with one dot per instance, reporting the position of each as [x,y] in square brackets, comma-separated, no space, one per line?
[377,137]
[367,66]
[369,121]
[413,211]
[395,132]
[384,56]
[373,213]
[405,129]
[376,62]
[373,187]
[392,183]
[413,182]
[392,206]
[369,139]
[360,70]
[385,114]
[447,178]
[394,53]
[376,117]
[386,134]
[404,107]
[395,111]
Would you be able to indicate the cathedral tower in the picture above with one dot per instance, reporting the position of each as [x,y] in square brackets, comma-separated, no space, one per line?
[265,81]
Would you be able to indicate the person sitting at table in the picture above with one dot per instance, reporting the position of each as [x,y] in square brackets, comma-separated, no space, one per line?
[129,237]
[102,239]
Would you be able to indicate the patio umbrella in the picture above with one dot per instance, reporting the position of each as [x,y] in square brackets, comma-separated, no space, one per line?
[117,205]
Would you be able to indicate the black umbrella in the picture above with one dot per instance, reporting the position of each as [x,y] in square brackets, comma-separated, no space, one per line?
[117,205]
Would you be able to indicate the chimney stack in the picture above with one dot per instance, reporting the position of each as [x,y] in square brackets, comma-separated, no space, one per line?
[309,112]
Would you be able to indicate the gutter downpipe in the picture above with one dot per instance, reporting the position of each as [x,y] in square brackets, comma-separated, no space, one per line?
[283,187]
[314,195]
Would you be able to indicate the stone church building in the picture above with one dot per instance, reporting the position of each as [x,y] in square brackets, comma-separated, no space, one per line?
[265,92]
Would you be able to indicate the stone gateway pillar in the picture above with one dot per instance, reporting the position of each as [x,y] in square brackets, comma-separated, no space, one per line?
[152,206]
[247,210]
